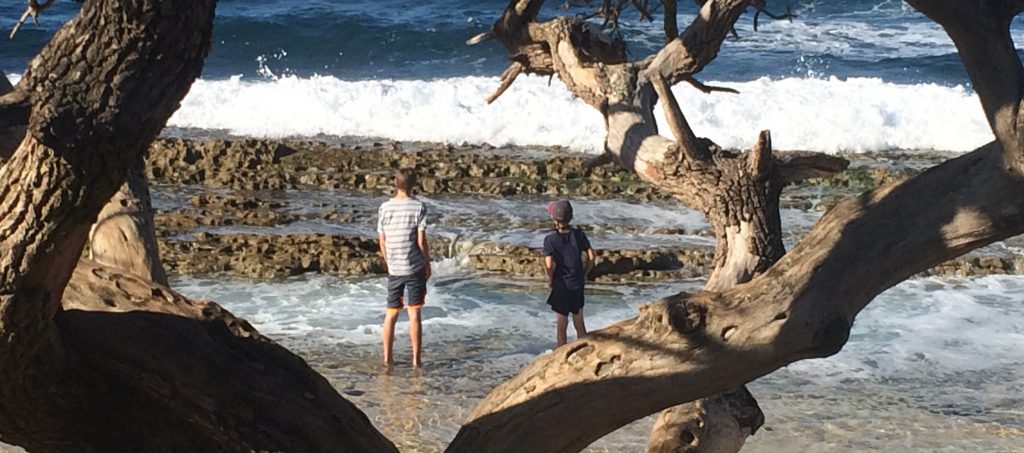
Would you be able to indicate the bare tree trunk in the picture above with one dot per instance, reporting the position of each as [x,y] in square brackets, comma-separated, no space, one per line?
[739,194]
[748,230]
[123,237]
[126,364]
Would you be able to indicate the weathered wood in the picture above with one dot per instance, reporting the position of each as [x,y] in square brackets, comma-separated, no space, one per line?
[93,115]
[691,346]
[192,377]
[738,194]
[981,32]
[167,373]
[123,236]
[670,12]
[676,120]
[507,78]
[716,424]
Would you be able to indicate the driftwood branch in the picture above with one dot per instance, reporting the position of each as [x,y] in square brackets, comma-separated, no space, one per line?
[690,346]
[33,10]
[507,78]
[671,29]
[171,357]
[676,121]
[760,6]
[980,31]
[796,166]
[700,42]
[759,161]
[707,89]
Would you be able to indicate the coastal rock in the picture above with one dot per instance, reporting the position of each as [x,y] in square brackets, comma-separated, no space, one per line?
[233,232]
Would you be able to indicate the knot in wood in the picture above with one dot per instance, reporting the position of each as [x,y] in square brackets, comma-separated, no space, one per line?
[687,317]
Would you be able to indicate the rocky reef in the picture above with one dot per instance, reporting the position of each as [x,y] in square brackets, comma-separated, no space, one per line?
[233,201]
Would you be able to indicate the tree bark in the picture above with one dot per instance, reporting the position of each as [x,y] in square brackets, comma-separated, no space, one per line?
[123,237]
[183,375]
[167,373]
[691,346]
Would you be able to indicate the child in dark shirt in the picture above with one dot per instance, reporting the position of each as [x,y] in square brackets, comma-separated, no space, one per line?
[566,271]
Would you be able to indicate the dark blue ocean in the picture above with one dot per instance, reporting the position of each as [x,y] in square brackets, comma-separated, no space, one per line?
[404,39]
[860,75]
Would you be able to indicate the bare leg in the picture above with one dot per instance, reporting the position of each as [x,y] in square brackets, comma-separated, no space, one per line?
[577,322]
[388,334]
[561,324]
[415,335]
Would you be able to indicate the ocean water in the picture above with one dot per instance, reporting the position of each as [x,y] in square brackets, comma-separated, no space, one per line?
[933,364]
[861,75]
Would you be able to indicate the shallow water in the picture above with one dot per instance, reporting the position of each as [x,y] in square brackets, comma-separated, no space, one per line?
[469,220]
[932,365]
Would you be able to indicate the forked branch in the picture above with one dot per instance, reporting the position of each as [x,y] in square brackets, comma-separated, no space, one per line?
[760,6]
[707,89]
[33,10]
[507,78]
[676,121]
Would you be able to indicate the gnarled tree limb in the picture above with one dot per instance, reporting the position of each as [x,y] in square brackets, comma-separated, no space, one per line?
[676,121]
[171,375]
[690,346]
[981,32]
[671,29]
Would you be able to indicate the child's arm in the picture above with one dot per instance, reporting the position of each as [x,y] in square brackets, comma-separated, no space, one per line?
[380,236]
[421,240]
[383,249]
[591,254]
[549,264]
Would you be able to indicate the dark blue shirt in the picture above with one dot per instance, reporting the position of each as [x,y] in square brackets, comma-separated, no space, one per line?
[565,249]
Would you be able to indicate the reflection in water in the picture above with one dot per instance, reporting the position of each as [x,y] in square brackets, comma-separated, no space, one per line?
[933,364]
[401,403]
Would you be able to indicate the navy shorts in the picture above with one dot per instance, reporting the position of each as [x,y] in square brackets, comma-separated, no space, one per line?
[564,300]
[417,285]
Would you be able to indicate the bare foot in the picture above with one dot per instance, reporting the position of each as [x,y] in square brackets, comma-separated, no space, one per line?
[417,364]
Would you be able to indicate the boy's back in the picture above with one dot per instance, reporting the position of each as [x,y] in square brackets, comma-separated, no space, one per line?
[565,249]
[399,220]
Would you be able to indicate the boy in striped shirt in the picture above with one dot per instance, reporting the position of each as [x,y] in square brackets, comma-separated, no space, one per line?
[401,228]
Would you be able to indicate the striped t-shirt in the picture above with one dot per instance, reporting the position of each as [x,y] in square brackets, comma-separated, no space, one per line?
[399,220]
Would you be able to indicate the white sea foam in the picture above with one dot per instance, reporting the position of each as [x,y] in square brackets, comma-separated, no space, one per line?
[932,327]
[825,115]
[923,327]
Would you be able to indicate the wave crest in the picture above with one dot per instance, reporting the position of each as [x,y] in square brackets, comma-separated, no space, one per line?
[831,115]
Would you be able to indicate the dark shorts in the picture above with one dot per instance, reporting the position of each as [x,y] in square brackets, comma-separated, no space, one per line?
[417,285]
[564,300]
